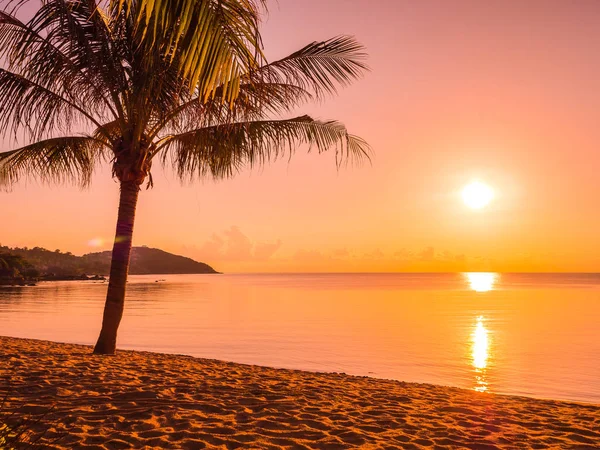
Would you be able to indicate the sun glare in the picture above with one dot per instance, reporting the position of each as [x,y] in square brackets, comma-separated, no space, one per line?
[480,345]
[481,281]
[480,352]
[476,195]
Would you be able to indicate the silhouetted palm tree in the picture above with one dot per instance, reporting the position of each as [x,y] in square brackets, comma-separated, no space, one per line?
[180,82]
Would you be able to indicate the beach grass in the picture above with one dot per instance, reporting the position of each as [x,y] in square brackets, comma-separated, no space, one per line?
[151,400]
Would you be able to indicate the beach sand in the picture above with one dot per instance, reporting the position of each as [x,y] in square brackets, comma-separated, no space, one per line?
[151,400]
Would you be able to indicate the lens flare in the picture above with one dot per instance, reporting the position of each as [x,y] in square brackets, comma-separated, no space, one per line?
[96,242]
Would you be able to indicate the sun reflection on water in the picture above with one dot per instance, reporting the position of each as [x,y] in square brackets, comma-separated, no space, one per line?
[480,354]
[481,281]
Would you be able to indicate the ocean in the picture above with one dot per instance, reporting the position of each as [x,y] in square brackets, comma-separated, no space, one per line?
[524,334]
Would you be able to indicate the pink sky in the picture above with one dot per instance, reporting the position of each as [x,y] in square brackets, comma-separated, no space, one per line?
[503,91]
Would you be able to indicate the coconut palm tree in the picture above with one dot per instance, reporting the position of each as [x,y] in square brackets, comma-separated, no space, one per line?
[183,84]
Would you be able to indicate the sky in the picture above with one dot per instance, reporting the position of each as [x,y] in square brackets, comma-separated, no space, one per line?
[505,92]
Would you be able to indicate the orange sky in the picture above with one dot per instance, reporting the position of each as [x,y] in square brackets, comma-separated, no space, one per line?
[507,92]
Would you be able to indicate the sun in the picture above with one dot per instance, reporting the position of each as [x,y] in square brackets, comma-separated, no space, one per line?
[476,195]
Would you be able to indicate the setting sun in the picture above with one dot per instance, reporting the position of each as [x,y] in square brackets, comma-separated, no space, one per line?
[476,195]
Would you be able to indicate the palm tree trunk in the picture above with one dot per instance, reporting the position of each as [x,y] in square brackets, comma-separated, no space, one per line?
[119,268]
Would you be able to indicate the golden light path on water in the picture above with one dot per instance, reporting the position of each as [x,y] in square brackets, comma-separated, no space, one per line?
[480,354]
[480,336]
[480,345]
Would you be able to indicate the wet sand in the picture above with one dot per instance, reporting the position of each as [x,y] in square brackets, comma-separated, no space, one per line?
[150,400]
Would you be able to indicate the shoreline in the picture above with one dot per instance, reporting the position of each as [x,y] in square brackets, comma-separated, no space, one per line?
[140,399]
[22,282]
[310,371]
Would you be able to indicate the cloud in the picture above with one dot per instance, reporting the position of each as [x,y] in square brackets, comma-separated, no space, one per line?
[427,255]
[310,256]
[375,254]
[214,245]
[238,245]
[264,250]
[426,259]
[233,245]
[235,250]
[403,255]
[340,253]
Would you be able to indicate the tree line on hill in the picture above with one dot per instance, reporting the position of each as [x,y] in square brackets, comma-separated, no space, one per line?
[27,265]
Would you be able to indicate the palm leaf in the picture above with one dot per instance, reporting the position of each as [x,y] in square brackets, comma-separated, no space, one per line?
[212,42]
[50,53]
[35,108]
[222,150]
[277,87]
[254,102]
[64,159]
[280,86]
[319,67]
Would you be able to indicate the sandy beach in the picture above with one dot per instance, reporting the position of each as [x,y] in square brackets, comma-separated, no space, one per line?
[150,400]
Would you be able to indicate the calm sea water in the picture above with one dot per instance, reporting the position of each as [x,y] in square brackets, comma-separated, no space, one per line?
[536,335]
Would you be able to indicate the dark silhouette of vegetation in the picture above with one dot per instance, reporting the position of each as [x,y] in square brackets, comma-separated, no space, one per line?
[14,269]
[146,261]
[182,83]
[28,265]
[43,264]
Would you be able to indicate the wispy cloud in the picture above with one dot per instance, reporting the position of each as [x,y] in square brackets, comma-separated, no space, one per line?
[232,245]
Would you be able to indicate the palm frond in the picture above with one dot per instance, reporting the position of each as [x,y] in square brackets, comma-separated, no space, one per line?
[108,133]
[222,150]
[254,102]
[49,51]
[64,159]
[27,105]
[258,100]
[212,42]
[319,67]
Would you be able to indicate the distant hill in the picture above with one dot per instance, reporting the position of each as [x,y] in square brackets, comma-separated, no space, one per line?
[144,261]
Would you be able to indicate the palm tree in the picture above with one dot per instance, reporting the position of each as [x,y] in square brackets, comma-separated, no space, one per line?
[182,83]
